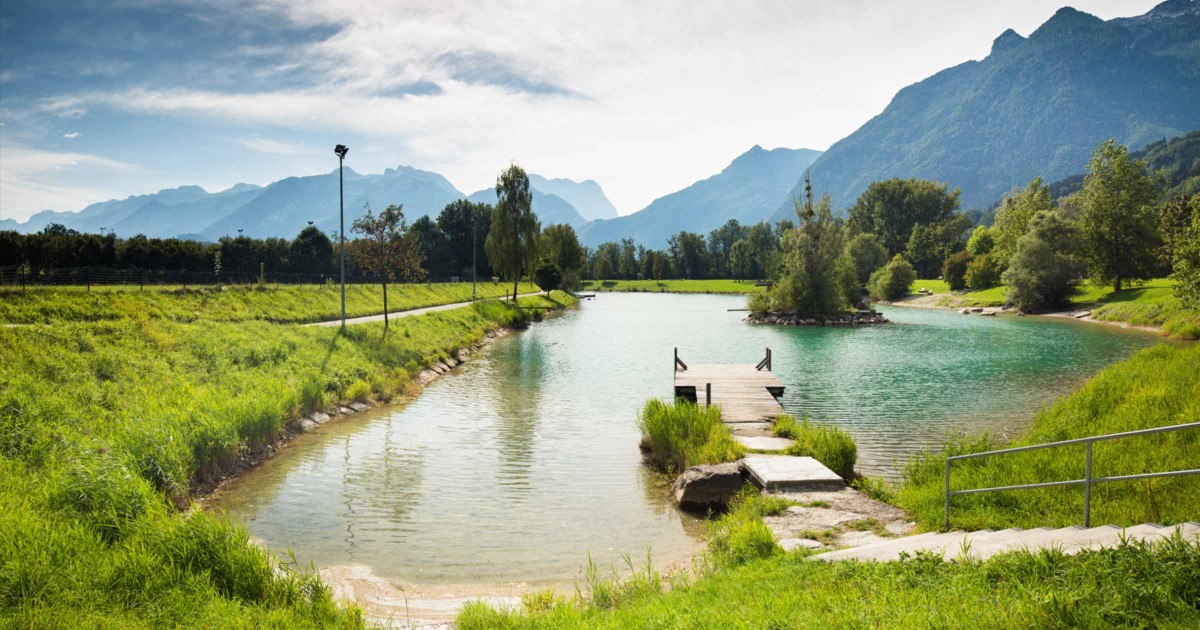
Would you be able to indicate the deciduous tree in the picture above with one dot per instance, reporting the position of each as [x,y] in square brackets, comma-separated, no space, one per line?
[386,250]
[511,243]
[1119,223]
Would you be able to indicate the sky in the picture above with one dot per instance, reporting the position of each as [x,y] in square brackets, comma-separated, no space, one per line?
[102,100]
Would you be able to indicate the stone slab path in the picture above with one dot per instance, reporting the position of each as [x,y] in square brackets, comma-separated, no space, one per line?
[776,473]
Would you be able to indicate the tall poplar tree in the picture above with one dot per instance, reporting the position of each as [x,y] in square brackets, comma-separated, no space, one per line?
[511,243]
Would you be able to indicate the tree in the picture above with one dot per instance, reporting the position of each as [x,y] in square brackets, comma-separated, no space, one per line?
[627,260]
[1119,224]
[311,252]
[1186,259]
[1014,215]
[720,247]
[923,250]
[982,272]
[867,254]
[1045,269]
[891,208]
[387,251]
[981,242]
[603,269]
[811,278]
[891,282]
[688,255]
[512,239]
[764,250]
[464,226]
[548,276]
[560,245]
[741,260]
[954,270]
[431,242]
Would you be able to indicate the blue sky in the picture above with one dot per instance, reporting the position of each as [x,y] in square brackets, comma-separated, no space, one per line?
[102,100]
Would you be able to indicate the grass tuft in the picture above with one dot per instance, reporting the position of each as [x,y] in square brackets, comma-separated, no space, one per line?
[676,436]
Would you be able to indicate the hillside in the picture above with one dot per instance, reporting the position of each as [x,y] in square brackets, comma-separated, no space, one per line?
[1177,159]
[748,190]
[1034,106]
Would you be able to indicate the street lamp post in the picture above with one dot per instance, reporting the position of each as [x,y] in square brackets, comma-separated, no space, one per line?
[473,214]
[341,150]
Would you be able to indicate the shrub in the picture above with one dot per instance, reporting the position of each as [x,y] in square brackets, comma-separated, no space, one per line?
[981,242]
[548,276]
[677,436]
[825,443]
[983,272]
[359,391]
[954,270]
[759,303]
[1044,271]
[892,281]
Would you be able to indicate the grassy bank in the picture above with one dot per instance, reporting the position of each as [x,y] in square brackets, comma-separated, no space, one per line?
[279,303]
[1157,387]
[1133,585]
[674,286]
[825,443]
[1152,304]
[105,426]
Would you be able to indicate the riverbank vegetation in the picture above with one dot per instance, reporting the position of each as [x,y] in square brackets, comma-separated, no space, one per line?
[674,286]
[825,443]
[107,427]
[1134,584]
[1157,387]
[678,435]
[277,303]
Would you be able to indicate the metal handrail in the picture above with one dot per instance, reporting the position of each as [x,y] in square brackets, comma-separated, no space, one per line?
[1087,480]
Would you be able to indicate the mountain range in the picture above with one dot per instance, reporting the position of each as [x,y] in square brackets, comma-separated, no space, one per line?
[1035,106]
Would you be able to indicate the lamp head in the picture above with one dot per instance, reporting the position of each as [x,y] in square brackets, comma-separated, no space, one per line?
[341,150]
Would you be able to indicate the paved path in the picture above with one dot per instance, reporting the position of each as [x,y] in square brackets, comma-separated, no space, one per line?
[412,312]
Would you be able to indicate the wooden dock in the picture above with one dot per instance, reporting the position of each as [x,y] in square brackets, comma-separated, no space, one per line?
[745,393]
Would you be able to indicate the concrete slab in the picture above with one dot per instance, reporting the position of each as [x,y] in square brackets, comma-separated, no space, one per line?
[755,443]
[784,473]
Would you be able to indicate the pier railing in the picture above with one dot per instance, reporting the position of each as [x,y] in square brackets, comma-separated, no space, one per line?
[1087,481]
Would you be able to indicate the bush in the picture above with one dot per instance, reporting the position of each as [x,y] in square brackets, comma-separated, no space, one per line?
[548,276]
[867,255]
[677,436]
[954,270]
[825,443]
[983,272]
[1044,272]
[759,303]
[892,281]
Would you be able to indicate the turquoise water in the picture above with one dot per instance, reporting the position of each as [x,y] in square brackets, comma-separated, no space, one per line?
[515,467]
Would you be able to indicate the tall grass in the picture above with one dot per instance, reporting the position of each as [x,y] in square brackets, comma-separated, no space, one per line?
[1158,386]
[825,443]
[105,428]
[676,436]
[1132,585]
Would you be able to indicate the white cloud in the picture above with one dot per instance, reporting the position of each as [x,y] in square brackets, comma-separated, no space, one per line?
[32,180]
[263,145]
[72,135]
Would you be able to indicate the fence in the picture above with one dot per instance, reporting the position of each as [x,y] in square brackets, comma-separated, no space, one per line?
[103,276]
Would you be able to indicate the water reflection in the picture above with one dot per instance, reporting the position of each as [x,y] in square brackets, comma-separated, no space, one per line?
[518,465]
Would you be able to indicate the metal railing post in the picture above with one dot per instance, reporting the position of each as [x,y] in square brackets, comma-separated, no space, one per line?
[707,395]
[1087,488]
[946,509]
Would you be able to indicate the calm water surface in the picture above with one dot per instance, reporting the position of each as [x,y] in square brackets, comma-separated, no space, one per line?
[515,467]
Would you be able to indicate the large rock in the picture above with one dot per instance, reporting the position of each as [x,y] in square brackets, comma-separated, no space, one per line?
[713,485]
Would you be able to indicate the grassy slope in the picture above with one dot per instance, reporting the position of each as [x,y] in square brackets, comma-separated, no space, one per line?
[1152,303]
[103,423]
[274,303]
[674,286]
[1159,386]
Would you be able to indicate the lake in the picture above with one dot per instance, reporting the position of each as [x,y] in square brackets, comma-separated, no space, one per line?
[515,467]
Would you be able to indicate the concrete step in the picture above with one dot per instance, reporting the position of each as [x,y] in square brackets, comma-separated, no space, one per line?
[781,473]
[985,544]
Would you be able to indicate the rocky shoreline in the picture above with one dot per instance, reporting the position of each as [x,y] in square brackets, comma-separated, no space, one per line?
[253,455]
[856,318]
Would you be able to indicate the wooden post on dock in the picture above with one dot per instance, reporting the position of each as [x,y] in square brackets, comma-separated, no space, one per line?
[707,395]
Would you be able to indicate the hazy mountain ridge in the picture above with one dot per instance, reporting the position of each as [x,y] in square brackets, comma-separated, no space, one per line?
[1034,106]
[748,190]
[587,197]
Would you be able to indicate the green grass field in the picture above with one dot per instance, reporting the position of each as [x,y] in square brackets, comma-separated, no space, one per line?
[107,426]
[280,303]
[1156,387]
[673,286]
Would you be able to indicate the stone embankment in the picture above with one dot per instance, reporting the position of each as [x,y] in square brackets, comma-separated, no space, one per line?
[855,318]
